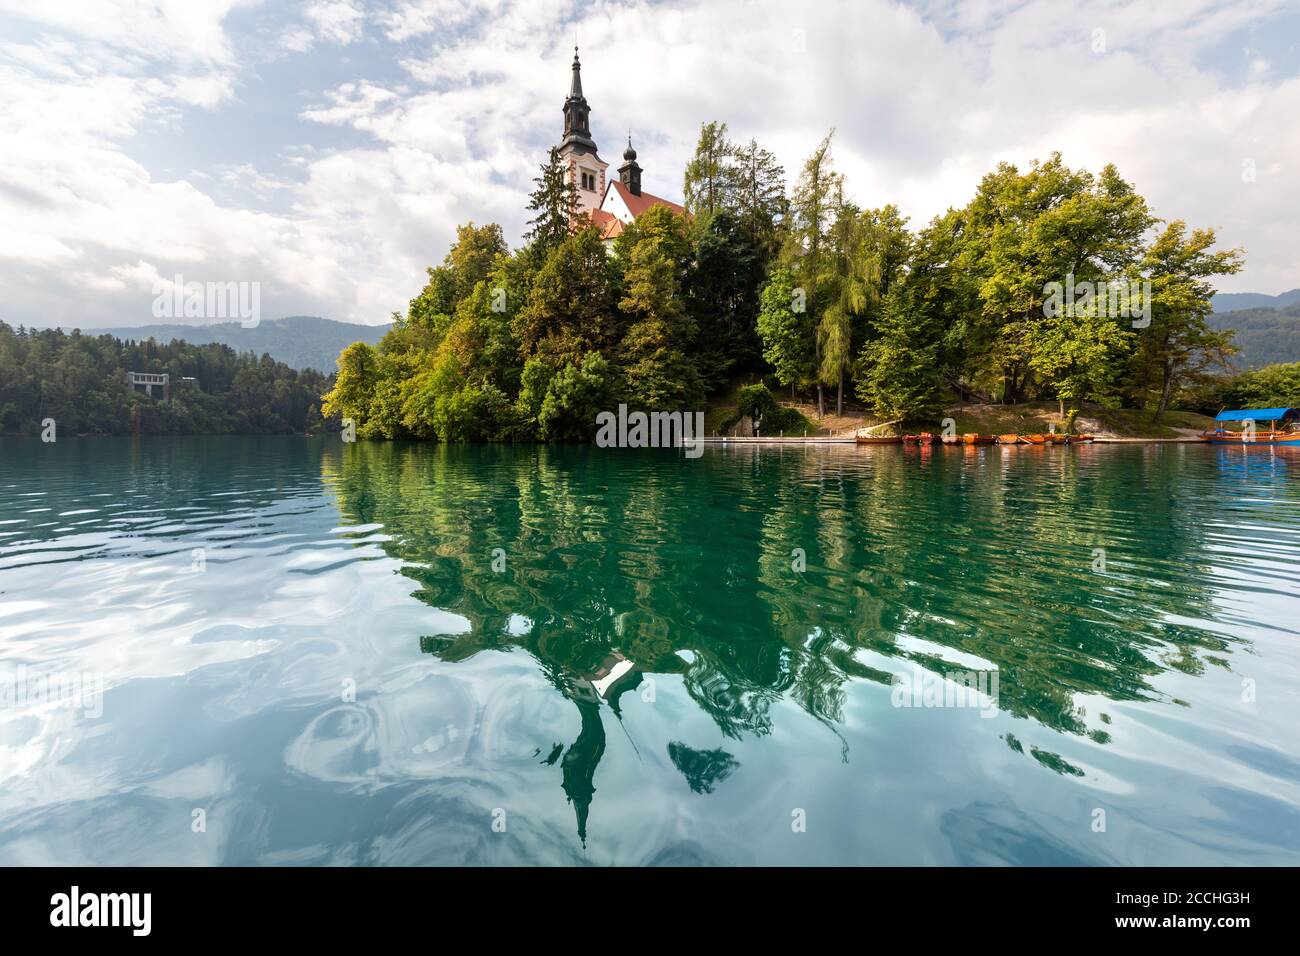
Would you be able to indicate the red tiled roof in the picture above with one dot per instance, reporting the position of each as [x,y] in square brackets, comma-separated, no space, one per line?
[608,224]
[639,204]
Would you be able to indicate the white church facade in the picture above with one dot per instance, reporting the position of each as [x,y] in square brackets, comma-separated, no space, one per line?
[610,202]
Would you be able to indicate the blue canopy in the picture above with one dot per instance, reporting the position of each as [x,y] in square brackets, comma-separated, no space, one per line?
[1256,415]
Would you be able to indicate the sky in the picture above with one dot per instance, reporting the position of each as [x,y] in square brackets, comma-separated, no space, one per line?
[328,149]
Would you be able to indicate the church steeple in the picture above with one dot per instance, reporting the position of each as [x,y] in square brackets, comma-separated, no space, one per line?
[575,88]
[629,174]
[577,129]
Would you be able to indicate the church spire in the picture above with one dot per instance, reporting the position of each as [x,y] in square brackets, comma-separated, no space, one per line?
[577,128]
[575,88]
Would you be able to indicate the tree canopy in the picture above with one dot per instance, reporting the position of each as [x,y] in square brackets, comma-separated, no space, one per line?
[1051,283]
[80,381]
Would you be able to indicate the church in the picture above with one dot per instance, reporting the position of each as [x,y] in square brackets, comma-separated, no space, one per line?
[609,203]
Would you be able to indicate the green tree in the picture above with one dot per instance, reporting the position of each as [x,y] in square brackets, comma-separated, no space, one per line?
[471,258]
[571,306]
[554,203]
[1273,386]
[722,293]
[354,385]
[710,179]
[898,371]
[761,206]
[812,212]
[1023,232]
[656,364]
[847,296]
[1179,344]
[575,396]
[1080,357]
[784,329]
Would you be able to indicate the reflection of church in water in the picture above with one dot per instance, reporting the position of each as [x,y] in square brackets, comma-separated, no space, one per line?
[614,677]
[611,204]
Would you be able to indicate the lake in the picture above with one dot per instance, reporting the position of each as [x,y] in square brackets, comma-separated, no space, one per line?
[295,651]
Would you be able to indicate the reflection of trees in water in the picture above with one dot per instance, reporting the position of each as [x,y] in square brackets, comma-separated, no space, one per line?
[703,769]
[685,567]
[992,558]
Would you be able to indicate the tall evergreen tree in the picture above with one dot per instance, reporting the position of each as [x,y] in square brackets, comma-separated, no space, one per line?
[812,208]
[722,293]
[555,203]
[761,204]
[710,179]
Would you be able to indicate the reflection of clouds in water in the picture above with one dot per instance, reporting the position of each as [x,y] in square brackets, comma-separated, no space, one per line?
[418,724]
[119,832]
[417,730]
[149,823]
[1000,834]
[227,687]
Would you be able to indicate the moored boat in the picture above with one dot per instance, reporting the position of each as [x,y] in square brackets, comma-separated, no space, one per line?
[1034,439]
[971,438]
[1249,434]
[925,438]
[878,439]
[1008,439]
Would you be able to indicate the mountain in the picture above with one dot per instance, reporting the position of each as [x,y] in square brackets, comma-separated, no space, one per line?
[299,341]
[1264,336]
[1238,301]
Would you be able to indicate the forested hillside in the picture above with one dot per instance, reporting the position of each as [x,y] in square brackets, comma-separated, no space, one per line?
[299,341]
[1236,301]
[80,382]
[1263,336]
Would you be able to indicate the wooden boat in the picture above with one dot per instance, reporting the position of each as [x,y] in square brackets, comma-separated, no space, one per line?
[1034,439]
[1249,435]
[1226,437]
[925,438]
[878,439]
[1084,439]
[1008,439]
[950,439]
[971,438]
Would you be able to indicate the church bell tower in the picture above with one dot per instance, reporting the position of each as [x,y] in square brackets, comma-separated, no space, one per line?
[578,149]
[629,174]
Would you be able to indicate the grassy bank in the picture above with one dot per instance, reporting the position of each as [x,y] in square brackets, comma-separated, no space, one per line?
[1028,418]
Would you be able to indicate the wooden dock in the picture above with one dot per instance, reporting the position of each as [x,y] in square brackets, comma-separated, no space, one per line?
[783,440]
[849,440]
[1181,440]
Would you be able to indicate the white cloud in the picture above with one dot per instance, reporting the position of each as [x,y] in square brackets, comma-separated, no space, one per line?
[443,114]
[419,18]
[334,21]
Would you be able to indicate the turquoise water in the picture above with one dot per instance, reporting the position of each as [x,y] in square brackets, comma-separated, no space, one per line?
[279,650]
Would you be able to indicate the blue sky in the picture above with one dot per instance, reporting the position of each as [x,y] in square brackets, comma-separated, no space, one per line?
[327,149]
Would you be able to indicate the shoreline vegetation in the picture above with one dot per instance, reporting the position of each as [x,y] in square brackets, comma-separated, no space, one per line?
[799,314]
[804,312]
[80,383]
